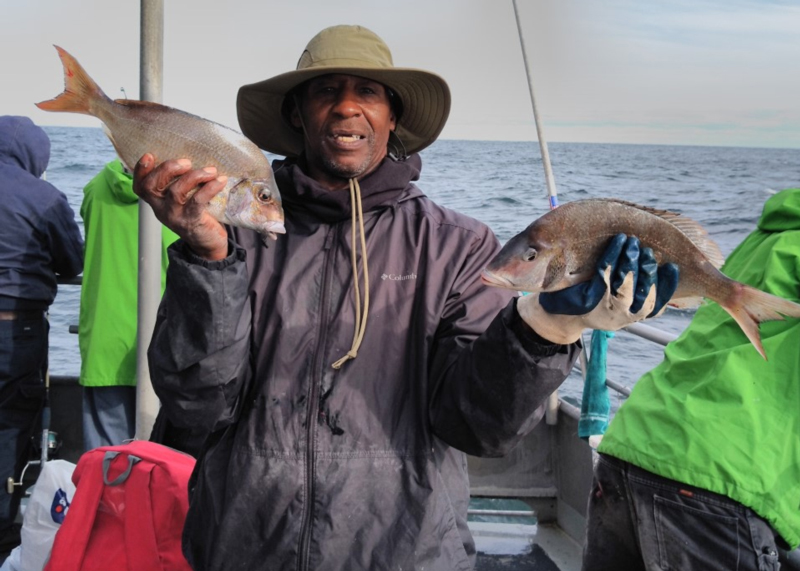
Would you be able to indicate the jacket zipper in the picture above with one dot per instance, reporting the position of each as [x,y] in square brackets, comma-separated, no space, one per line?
[313,412]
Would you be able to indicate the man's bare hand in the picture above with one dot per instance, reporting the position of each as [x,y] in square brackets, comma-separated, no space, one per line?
[178,195]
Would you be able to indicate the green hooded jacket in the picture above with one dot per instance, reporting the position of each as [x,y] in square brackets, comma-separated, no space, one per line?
[107,322]
[714,414]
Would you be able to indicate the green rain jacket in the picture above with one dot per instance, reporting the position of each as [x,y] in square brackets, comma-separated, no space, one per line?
[107,322]
[714,414]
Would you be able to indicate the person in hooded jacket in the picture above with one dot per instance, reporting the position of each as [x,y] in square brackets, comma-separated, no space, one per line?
[344,370]
[700,467]
[107,323]
[39,240]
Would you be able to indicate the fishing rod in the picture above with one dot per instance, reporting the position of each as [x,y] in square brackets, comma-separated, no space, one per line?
[548,169]
[551,410]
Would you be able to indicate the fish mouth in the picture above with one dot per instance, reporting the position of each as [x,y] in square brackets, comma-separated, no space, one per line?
[492,279]
[273,228]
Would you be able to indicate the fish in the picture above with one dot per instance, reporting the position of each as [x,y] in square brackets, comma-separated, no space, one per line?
[560,249]
[250,198]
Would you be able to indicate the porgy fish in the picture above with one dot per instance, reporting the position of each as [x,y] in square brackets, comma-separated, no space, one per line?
[562,247]
[249,200]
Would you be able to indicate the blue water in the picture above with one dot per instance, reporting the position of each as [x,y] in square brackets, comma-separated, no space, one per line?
[502,184]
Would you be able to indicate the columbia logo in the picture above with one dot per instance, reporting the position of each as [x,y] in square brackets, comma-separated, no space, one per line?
[396,278]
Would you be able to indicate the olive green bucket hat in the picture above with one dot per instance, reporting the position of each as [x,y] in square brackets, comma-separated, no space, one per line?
[352,50]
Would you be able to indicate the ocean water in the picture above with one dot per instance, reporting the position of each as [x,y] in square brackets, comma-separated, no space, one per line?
[502,184]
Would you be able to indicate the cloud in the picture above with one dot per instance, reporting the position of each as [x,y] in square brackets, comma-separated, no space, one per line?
[613,71]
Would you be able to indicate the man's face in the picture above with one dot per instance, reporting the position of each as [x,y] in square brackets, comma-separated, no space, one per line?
[346,121]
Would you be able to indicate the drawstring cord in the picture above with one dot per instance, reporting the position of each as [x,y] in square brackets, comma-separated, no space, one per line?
[361,319]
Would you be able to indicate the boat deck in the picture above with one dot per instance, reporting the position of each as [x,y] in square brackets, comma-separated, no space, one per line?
[509,535]
[510,547]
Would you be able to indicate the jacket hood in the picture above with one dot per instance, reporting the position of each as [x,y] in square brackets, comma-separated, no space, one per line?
[119,182]
[386,186]
[23,143]
[781,212]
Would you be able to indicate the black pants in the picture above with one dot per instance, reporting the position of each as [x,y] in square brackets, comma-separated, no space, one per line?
[23,361]
[641,521]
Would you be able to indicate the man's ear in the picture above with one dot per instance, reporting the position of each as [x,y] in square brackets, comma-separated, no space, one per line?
[294,117]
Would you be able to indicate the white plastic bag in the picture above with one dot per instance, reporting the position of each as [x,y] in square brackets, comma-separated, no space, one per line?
[46,509]
[12,561]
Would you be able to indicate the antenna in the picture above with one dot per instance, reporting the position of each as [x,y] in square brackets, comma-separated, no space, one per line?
[122,89]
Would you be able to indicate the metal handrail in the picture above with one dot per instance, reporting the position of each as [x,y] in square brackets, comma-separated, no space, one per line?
[651,333]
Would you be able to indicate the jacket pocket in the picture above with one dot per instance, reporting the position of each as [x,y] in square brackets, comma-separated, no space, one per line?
[23,349]
[23,354]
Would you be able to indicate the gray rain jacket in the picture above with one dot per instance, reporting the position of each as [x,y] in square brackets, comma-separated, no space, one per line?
[309,467]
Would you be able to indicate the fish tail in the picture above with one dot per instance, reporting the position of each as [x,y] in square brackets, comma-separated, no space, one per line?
[751,306]
[80,90]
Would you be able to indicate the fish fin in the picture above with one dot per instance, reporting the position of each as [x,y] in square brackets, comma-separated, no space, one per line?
[690,228]
[80,90]
[753,306]
[137,103]
[685,302]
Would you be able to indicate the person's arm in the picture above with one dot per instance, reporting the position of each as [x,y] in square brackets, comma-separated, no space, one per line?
[490,373]
[490,393]
[200,351]
[495,392]
[64,235]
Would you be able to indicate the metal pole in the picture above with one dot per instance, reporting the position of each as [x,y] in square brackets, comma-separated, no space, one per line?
[551,412]
[150,80]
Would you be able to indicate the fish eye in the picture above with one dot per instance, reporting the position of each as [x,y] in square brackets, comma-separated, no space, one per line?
[529,255]
[264,195]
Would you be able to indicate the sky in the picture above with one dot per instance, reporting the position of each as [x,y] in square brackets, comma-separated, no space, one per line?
[687,72]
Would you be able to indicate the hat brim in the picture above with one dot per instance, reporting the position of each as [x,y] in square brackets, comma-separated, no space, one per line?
[425,97]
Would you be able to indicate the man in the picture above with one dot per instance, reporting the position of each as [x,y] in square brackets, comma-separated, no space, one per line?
[700,468]
[107,323]
[39,239]
[344,370]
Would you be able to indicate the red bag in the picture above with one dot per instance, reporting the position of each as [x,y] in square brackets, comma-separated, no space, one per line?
[128,510]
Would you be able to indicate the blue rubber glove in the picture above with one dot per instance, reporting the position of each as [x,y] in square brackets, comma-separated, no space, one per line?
[628,286]
[624,256]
